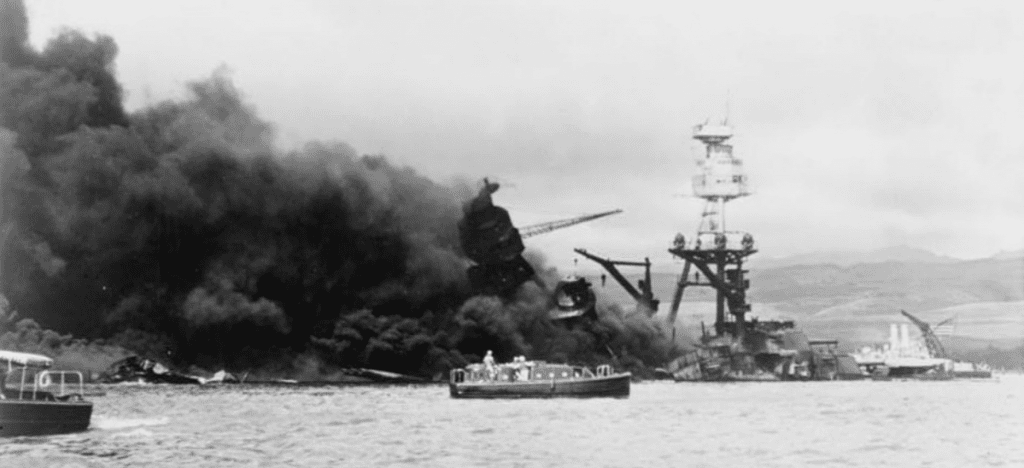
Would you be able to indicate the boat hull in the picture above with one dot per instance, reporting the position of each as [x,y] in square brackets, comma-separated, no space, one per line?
[29,418]
[975,374]
[613,386]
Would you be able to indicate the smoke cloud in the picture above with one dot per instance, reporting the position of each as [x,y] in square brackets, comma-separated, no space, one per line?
[14,47]
[180,232]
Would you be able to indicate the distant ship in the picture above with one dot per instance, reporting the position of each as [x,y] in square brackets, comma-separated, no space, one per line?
[903,357]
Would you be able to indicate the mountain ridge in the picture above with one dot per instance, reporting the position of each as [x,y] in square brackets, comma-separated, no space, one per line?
[899,253]
[858,301]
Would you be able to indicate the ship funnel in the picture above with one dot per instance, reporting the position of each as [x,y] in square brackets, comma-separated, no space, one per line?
[894,336]
[905,336]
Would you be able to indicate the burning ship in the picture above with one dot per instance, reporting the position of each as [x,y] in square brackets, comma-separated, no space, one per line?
[495,247]
[739,346]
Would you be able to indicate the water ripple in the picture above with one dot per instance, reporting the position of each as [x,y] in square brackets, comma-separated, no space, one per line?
[662,424]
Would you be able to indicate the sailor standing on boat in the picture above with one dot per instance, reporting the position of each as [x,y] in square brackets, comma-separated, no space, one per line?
[489,364]
[522,373]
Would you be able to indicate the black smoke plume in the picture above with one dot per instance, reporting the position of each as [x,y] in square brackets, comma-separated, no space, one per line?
[14,48]
[179,232]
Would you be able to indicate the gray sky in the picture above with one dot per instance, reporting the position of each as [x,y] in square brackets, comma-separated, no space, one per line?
[862,125]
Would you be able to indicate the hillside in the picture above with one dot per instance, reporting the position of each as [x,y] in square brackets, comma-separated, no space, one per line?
[856,303]
[849,258]
[828,290]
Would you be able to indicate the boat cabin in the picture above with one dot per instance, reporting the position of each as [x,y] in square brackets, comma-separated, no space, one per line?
[560,372]
[524,371]
[25,376]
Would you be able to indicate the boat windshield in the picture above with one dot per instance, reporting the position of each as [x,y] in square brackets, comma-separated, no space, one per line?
[27,383]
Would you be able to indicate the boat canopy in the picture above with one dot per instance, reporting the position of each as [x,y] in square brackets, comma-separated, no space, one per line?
[10,358]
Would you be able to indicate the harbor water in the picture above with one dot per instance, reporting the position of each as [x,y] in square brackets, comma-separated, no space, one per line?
[897,423]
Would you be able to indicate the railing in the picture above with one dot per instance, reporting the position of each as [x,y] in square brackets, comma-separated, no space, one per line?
[728,240]
[65,382]
[457,376]
[582,373]
[36,386]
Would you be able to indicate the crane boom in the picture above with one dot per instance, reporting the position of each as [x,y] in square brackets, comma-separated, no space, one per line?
[935,347]
[677,298]
[537,229]
[645,295]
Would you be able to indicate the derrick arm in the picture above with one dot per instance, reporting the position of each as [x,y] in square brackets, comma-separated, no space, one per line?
[920,323]
[934,345]
[610,266]
[542,228]
[677,298]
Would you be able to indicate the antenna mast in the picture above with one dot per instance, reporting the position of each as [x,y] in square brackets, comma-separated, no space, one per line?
[717,254]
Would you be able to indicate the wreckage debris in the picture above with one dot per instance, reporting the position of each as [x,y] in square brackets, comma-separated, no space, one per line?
[379,376]
[491,241]
[574,297]
[350,376]
[138,369]
[220,376]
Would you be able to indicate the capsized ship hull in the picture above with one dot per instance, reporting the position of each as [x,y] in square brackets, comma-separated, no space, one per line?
[769,351]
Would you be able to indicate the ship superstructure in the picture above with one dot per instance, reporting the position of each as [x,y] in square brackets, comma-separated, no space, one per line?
[738,347]
[716,252]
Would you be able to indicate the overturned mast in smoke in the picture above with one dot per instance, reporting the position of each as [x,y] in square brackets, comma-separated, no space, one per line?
[495,245]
